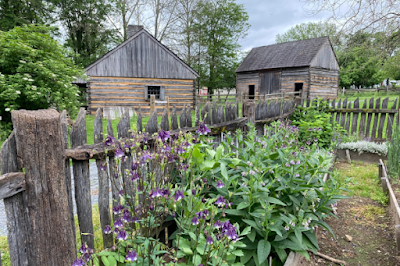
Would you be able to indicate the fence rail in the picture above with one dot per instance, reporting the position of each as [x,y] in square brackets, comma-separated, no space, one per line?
[39,201]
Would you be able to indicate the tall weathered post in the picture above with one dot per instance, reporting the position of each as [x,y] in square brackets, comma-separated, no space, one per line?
[40,146]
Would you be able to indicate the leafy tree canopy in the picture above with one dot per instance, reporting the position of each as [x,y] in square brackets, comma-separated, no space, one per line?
[218,26]
[311,30]
[34,72]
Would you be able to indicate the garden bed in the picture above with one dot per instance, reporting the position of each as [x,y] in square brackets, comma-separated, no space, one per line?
[360,157]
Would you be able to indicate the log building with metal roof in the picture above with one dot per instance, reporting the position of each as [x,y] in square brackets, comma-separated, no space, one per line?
[308,66]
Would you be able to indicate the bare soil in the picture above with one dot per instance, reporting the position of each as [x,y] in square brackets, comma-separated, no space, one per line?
[371,229]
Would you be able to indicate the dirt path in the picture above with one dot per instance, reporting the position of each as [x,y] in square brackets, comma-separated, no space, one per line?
[370,228]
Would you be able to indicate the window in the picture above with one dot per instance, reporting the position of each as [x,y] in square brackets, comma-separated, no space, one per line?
[157,91]
[251,91]
[298,87]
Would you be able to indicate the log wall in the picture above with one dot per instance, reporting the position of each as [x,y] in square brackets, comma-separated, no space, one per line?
[243,80]
[324,83]
[122,92]
[290,76]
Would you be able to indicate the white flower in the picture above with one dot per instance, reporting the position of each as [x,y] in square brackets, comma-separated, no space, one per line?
[17,92]
[38,93]
[22,61]
[30,80]
[7,109]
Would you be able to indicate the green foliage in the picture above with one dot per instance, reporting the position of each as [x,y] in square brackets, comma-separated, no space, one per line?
[218,25]
[87,34]
[311,30]
[394,151]
[316,125]
[34,73]
[4,252]
[18,13]
[273,192]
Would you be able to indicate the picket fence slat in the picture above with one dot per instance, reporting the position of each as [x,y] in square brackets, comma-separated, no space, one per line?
[112,169]
[17,222]
[362,132]
[382,118]
[104,187]
[391,121]
[376,118]
[355,118]
[82,182]
[68,177]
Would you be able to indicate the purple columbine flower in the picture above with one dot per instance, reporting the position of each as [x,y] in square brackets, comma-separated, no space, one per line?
[210,240]
[163,135]
[315,139]
[217,224]
[116,231]
[103,166]
[203,130]
[231,233]
[126,147]
[180,150]
[119,153]
[87,257]
[301,148]
[220,184]
[206,213]
[122,236]
[310,129]
[118,223]
[308,142]
[78,262]
[84,249]
[134,219]
[135,176]
[145,157]
[134,166]
[178,195]
[156,193]
[165,192]
[109,141]
[220,201]
[126,217]
[107,230]
[195,220]
[118,209]
[132,256]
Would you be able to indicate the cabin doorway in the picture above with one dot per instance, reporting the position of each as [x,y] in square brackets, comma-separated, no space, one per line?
[298,87]
[251,91]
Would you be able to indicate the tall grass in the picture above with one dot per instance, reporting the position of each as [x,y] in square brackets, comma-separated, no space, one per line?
[394,151]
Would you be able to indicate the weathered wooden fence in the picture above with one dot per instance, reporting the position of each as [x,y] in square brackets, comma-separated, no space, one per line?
[36,181]
[371,118]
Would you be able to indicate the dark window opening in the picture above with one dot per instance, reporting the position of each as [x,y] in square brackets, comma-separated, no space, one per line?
[251,91]
[154,90]
[298,87]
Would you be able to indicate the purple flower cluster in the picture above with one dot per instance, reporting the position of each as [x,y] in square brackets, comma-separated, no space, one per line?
[86,255]
[227,229]
[203,129]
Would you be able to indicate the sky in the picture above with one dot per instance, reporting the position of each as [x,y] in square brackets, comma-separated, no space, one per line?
[271,17]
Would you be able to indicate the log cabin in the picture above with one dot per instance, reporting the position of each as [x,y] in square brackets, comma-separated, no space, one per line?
[307,66]
[125,77]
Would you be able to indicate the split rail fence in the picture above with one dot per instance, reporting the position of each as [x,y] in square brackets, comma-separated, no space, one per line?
[36,180]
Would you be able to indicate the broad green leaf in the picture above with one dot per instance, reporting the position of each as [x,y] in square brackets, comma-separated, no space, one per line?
[211,153]
[207,165]
[263,250]
[247,256]
[220,150]
[105,261]
[196,259]
[275,201]
[242,205]
[112,261]
[312,237]
[238,253]
[235,212]
[224,172]
[246,231]
[252,235]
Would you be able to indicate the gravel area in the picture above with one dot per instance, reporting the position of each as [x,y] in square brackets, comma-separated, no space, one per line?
[94,185]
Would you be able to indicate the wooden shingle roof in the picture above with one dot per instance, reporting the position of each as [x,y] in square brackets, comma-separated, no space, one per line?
[281,55]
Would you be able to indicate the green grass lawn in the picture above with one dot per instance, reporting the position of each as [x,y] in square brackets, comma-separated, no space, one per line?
[367,95]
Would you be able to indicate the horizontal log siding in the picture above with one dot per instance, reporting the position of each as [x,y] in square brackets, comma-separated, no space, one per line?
[243,80]
[290,76]
[324,83]
[130,92]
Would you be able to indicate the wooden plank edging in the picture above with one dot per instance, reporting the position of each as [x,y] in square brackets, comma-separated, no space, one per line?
[11,184]
[393,204]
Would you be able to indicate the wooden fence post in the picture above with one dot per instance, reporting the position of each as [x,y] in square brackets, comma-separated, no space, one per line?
[152,103]
[40,145]
[15,208]
[82,182]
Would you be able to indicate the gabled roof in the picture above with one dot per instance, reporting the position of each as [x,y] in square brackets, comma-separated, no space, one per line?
[128,41]
[281,55]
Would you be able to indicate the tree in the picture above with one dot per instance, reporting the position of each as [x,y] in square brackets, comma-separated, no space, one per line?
[372,15]
[18,12]
[88,36]
[311,30]
[218,26]
[361,61]
[34,73]
[124,11]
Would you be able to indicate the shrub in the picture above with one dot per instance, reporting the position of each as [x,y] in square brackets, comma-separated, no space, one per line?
[364,146]
[34,73]
[316,125]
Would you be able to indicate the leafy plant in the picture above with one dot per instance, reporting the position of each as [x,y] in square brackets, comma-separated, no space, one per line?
[316,125]
[276,191]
